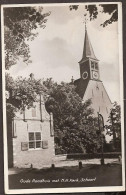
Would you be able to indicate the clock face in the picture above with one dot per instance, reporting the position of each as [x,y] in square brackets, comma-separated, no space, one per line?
[95,75]
[85,75]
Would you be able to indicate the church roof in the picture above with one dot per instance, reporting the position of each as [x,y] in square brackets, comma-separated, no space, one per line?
[88,50]
[81,86]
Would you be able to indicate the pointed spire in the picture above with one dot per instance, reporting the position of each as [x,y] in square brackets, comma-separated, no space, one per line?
[88,50]
[85,23]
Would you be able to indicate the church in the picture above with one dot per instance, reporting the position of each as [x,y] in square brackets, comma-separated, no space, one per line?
[90,85]
[31,133]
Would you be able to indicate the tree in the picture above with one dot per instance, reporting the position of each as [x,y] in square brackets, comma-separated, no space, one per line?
[93,10]
[114,127]
[23,92]
[20,24]
[75,127]
[65,104]
[84,138]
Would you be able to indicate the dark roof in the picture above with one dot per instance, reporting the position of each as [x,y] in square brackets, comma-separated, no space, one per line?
[81,86]
[88,50]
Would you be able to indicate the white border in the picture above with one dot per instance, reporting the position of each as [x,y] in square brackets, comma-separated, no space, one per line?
[76,189]
[120,41]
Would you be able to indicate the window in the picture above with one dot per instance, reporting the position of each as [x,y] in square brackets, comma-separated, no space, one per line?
[34,140]
[92,65]
[96,66]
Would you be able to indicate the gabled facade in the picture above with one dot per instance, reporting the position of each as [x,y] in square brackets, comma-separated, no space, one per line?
[31,137]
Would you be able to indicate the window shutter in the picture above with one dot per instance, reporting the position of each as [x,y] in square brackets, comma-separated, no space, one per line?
[24,146]
[45,144]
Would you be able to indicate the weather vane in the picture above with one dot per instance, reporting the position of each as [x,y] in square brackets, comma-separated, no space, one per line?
[85,21]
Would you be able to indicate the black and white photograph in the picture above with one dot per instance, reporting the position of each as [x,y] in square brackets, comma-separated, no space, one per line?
[63,117]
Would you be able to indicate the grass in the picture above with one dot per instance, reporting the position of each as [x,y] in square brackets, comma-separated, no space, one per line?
[88,176]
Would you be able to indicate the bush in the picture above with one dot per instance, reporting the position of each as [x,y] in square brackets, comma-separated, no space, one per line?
[92,156]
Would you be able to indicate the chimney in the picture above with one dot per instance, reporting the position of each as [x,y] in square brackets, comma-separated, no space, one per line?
[72,80]
[31,76]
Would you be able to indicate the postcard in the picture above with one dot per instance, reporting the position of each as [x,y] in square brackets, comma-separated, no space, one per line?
[63,116]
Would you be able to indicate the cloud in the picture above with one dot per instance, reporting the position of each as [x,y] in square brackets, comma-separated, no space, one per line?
[58,48]
[53,53]
[62,14]
[109,72]
[113,90]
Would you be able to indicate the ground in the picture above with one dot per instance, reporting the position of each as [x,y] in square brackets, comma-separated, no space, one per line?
[89,175]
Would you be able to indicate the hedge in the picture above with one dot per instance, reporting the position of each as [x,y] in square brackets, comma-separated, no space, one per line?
[93,155]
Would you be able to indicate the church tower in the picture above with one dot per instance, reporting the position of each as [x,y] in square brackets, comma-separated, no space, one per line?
[90,85]
[89,67]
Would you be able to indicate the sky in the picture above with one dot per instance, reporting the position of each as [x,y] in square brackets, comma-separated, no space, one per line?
[58,48]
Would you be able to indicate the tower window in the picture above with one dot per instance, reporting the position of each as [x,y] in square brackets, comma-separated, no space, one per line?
[92,65]
[96,66]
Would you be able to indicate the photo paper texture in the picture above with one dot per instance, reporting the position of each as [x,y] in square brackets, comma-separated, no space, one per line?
[63,97]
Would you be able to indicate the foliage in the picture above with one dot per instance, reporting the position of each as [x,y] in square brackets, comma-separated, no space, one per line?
[93,11]
[84,138]
[23,92]
[76,130]
[10,110]
[114,120]
[20,25]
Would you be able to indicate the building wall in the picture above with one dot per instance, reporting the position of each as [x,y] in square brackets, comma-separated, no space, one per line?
[23,156]
[100,101]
